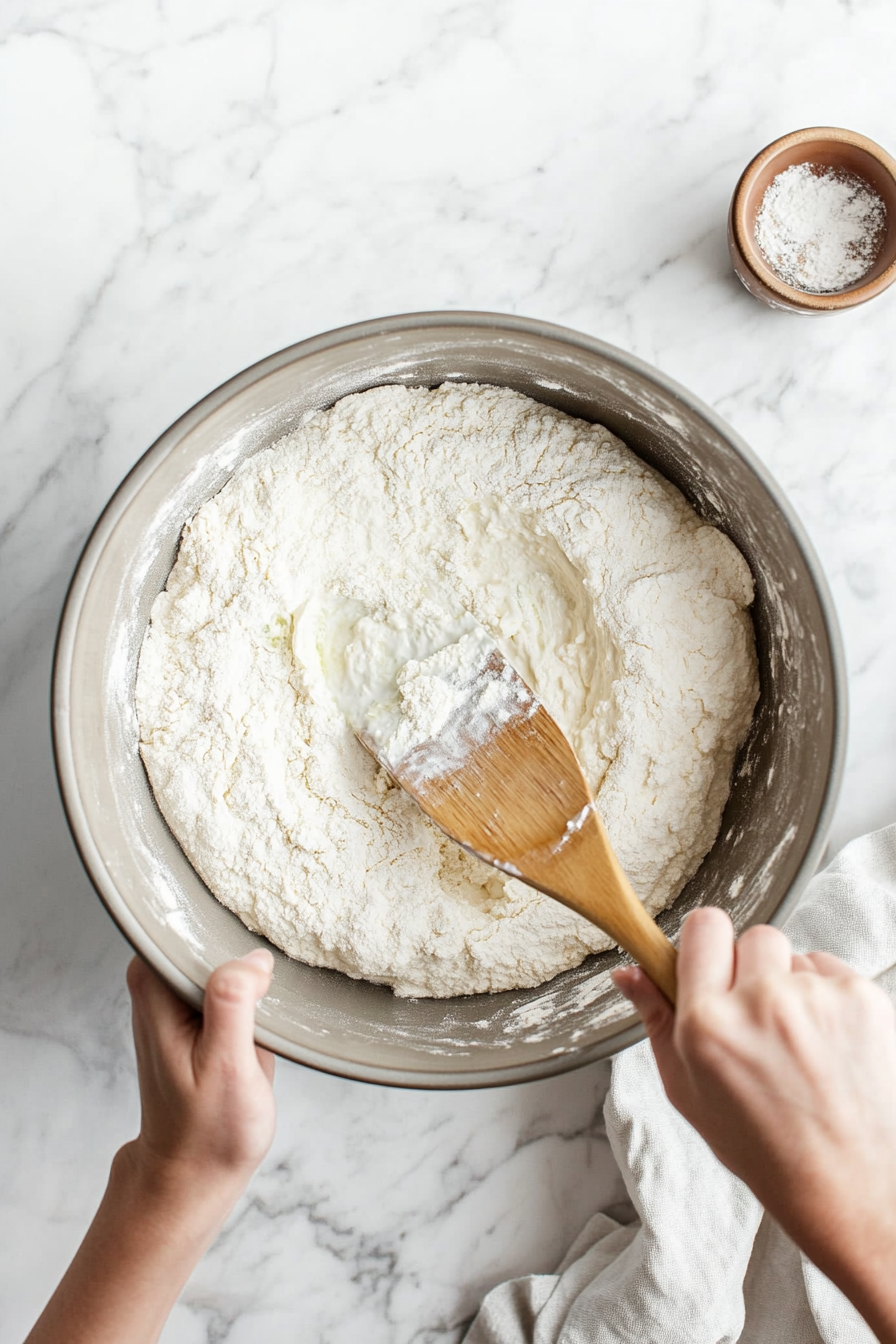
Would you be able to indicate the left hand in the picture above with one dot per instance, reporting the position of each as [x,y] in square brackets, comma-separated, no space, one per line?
[207,1121]
[208,1113]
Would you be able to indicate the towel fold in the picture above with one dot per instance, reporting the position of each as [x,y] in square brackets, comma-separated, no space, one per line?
[703,1264]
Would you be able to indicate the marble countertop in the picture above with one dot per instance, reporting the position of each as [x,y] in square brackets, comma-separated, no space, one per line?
[190,186]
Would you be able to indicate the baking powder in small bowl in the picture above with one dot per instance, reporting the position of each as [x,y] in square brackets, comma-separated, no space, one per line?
[820,229]
[812,224]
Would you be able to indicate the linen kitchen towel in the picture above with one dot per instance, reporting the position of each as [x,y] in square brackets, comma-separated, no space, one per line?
[703,1264]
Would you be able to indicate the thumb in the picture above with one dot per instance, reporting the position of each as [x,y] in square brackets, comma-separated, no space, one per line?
[658,1016]
[655,1009]
[228,1012]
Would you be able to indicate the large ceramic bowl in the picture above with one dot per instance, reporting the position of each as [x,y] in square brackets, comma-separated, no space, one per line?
[785,782]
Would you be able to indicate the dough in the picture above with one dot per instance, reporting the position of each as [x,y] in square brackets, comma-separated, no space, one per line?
[383,530]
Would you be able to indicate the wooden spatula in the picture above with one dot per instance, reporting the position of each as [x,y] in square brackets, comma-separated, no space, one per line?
[501,779]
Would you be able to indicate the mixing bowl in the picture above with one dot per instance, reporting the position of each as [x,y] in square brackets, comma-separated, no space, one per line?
[785,779]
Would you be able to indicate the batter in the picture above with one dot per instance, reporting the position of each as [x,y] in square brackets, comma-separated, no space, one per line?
[382,531]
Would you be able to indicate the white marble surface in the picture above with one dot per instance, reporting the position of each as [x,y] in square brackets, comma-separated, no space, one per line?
[191,184]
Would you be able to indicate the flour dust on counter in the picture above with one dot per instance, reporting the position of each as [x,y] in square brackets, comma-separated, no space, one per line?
[325,580]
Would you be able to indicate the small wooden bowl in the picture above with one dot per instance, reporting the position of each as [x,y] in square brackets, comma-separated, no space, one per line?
[829,147]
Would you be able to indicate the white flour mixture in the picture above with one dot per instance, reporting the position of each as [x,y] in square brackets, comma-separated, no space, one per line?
[384,530]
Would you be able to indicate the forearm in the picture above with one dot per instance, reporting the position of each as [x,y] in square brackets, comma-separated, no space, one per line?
[862,1263]
[149,1233]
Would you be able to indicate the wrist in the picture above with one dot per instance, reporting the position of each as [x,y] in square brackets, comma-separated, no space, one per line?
[855,1253]
[867,1280]
[155,1222]
[186,1197]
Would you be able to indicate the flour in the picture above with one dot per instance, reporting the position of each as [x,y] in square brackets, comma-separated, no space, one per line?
[447,703]
[396,704]
[429,694]
[406,521]
[820,229]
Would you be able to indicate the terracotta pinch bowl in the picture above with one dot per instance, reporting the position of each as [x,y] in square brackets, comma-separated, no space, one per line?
[824,147]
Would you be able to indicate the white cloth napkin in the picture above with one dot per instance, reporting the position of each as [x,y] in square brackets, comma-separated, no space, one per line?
[704,1264]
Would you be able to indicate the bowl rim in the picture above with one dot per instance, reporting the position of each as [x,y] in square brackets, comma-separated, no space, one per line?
[749,250]
[631,1030]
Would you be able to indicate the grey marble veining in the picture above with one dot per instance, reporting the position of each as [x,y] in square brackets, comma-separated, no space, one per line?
[190,186]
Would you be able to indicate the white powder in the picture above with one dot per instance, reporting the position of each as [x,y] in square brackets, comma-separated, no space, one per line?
[415,517]
[429,693]
[399,682]
[820,229]
[446,702]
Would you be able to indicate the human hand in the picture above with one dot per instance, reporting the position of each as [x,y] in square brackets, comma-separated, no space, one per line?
[786,1065]
[208,1112]
[207,1121]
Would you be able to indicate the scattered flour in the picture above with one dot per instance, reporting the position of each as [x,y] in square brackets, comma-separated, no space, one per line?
[334,570]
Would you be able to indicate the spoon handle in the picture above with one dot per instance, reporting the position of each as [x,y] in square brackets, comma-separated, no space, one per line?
[588,876]
[602,893]
[644,940]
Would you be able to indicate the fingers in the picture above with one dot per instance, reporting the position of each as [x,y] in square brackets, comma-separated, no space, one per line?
[705,956]
[228,1027]
[825,963]
[267,1060]
[157,1012]
[760,952]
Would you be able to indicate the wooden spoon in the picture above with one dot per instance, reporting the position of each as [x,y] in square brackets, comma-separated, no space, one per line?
[501,779]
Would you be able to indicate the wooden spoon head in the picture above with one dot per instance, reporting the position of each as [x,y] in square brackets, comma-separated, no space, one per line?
[501,779]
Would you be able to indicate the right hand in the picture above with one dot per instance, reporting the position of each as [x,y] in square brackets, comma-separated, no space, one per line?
[786,1065]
